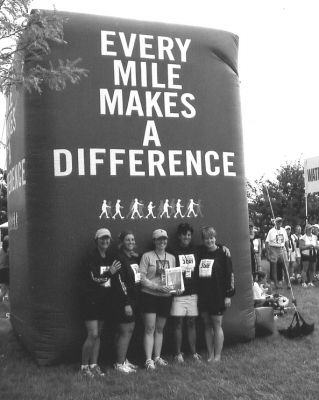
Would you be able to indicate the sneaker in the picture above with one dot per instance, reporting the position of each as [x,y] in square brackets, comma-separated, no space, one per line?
[130,365]
[160,362]
[149,365]
[310,284]
[123,368]
[86,372]
[96,370]
[179,358]
[196,357]
[304,285]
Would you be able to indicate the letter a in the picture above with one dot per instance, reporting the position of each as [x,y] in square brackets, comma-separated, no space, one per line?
[151,134]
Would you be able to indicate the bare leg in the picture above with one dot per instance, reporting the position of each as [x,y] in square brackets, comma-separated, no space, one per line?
[178,329]
[191,333]
[208,333]
[91,346]
[158,338]
[218,336]
[149,328]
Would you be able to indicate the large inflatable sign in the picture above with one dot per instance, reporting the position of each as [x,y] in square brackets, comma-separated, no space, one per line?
[150,139]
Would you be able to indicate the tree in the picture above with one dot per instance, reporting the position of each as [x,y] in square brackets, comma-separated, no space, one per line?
[287,197]
[25,40]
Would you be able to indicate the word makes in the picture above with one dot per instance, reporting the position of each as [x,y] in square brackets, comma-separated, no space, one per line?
[144,46]
[144,162]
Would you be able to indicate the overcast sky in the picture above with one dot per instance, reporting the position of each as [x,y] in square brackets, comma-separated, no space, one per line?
[278,66]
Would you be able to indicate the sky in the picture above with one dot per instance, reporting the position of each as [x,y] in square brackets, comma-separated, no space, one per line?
[278,67]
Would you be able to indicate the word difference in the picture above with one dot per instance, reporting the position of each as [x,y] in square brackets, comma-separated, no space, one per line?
[142,162]
[138,209]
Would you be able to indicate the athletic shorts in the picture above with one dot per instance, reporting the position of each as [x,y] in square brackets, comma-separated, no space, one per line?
[159,305]
[184,306]
[96,306]
[277,253]
[211,306]
[121,317]
[292,256]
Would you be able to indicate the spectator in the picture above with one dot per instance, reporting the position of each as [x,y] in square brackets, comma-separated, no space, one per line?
[291,253]
[296,237]
[308,247]
[276,244]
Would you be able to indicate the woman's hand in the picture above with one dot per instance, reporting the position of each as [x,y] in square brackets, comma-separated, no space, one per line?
[128,310]
[227,302]
[115,267]
[226,251]
[163,289]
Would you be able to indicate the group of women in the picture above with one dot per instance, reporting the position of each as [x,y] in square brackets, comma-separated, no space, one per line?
[118,284]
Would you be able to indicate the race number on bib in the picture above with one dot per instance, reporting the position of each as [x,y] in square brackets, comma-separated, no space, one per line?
[205,268]
[187,263]
[103,269]
[137,275]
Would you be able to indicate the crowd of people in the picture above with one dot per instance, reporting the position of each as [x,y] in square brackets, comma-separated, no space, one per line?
[118,284]
[293,256]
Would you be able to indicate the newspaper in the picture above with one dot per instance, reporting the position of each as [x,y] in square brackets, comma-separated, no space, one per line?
[174,279]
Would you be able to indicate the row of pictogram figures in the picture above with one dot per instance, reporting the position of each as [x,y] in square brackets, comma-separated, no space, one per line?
[166,209]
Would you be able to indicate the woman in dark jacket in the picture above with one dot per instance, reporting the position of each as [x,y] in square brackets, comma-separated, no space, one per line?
[96,296]
[125,299]
[215,289]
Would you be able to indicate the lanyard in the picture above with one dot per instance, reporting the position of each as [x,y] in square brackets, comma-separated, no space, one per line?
[161,261]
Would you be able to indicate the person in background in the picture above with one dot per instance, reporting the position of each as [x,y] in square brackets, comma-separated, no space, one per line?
[125,296]
[315,231]
[308,248]
[291,253]
[252,249]
[96,296]
[296,238]
[261,291]
[277,250]
[257,248]
[4,269]
[156,299]
[215,289]
[184,305]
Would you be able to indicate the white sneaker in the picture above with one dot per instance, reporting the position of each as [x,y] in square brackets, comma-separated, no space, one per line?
[123,368]
[149,365]
[179,358]
[310,284]
[304,285]
[196,357]
[130,365]
[160,362]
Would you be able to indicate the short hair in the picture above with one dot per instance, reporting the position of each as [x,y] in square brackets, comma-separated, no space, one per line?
[208,231]
[183,228]
[260,275]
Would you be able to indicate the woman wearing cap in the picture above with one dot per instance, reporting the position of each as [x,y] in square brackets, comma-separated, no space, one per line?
[156,298]
[125,299]
[308,248]
[98,270]
[184,305]
[215,289]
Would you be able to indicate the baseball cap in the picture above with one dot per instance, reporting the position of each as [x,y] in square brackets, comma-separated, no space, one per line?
[308,227]
[159,233]
[278,219]
[315,226]
[102,232]
[287,227]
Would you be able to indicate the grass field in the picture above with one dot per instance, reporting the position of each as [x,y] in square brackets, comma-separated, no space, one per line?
[271,367]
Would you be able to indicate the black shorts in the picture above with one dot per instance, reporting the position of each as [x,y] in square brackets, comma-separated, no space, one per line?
[4,276]
[121,317]
[159,305]
[211,307]
[97,306]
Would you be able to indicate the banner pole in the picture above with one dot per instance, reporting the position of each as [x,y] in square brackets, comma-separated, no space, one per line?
[306,203]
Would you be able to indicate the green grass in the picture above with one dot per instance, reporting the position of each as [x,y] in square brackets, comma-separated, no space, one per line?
[271,367]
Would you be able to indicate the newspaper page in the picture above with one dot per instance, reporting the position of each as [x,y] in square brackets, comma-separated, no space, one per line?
[174,279]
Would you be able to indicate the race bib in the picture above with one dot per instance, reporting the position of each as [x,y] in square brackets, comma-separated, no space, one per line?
[137,275]
[187,261]
[280,238]
[205,268]
[104,268]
